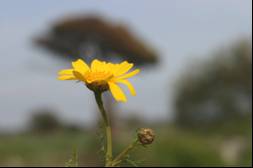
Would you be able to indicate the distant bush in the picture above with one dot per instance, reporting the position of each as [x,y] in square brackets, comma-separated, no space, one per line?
[216,91]
[43,121]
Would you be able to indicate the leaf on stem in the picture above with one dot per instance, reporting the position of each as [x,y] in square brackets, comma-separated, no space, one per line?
[73,161]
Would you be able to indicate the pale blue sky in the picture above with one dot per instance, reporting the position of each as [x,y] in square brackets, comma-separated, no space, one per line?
[183,32]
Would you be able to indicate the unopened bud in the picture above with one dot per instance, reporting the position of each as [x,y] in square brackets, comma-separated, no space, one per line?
[146,136]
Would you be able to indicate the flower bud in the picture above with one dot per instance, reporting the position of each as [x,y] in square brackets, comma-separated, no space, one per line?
[146,136]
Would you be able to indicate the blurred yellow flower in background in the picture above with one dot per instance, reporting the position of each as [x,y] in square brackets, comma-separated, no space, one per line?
[102,76]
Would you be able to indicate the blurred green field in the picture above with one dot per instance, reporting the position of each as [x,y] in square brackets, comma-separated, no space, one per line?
[172,147]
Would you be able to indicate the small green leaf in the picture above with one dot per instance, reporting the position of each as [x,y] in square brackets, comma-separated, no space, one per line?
[73,161]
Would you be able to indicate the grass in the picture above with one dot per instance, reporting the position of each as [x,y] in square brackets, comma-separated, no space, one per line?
[172,147]
[43,150]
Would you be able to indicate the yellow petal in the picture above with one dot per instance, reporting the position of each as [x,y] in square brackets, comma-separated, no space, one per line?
[124,67]
[117,92]
[112,67]
[66,77]
[96,65]
[66,72]
[80,66]
[129,85]
[78,75]
[129,74]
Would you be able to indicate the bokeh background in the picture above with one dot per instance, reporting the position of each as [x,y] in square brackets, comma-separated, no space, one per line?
[194,89]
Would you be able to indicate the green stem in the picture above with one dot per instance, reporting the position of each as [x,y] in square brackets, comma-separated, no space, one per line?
[108,157]
[123,154]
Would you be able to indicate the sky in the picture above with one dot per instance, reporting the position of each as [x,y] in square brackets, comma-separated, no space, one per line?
[182,32]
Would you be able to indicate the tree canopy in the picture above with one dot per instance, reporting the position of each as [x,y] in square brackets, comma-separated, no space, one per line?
[92,36]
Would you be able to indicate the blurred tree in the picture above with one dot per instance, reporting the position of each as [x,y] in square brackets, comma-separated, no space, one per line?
[218,91]
[90,37]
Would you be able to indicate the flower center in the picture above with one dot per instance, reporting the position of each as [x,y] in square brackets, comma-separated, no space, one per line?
[97,80]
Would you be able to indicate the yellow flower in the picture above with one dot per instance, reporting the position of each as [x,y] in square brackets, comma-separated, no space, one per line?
[102,76]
